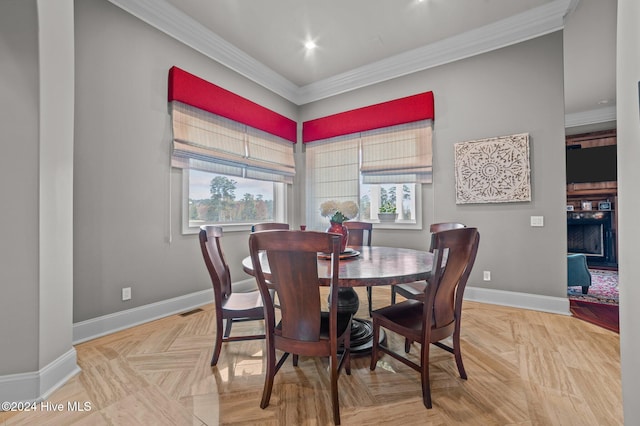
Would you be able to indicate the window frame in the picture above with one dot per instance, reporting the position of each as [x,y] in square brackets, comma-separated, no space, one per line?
[403,224]
[357,138]
[280,208]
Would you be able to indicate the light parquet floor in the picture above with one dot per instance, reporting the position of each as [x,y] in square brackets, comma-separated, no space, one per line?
[524,368]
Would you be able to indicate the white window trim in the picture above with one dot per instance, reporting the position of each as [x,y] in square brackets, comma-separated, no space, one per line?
[405,224]
[279,206]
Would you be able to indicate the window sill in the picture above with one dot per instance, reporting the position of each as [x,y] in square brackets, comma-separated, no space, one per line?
[228,227]
[397,225]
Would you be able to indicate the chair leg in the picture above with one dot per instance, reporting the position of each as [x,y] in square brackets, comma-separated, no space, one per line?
[458,354]
[333,360]
[424,373]
[393,295]
[347,352]
[270,373]
[407,345]
[374,345]
[295,360]
[585,289]
[369,299]
[227,329]
[217,346]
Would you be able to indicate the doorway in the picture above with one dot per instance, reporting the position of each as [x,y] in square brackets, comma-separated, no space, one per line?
[592,201]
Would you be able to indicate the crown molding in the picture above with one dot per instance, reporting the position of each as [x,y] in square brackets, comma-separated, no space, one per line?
[518,28]
[173,22]
[594,116]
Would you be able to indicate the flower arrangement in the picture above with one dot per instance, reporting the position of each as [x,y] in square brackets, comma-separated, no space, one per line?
[339,212]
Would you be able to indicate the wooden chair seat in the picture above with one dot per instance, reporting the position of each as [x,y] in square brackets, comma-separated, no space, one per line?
[414,290]
[244,304]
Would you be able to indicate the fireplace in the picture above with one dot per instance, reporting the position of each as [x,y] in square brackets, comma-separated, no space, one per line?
[591,233]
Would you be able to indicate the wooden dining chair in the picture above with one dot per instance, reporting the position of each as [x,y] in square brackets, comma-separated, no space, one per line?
[229,306]
[269,226]
[303,328]
[439,316]
[415,290]
[360,235]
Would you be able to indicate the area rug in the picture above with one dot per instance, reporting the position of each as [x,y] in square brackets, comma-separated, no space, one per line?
[604,288]
[600,314]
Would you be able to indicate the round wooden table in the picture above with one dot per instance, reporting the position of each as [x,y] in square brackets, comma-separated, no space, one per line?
[373,266]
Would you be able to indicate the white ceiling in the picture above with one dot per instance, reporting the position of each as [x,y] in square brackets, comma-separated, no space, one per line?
[349,34]
[362,42]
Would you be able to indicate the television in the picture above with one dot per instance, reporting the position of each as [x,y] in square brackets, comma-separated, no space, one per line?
[597,164]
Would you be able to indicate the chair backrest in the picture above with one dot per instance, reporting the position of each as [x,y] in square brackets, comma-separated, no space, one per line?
[269,226]
[443,226]
[359,233]
[216,264]
[293,264]
[454,255]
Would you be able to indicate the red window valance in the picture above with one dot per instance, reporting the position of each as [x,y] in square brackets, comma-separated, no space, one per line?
[192,90]
[399,111]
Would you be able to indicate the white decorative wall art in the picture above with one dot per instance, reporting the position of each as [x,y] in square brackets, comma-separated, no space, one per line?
[494,170]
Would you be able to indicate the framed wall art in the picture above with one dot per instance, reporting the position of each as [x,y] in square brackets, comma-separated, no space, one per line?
[604,205]
[493,170]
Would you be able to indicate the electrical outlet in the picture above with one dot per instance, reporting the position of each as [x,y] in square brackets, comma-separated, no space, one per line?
[486,275]
[126,293]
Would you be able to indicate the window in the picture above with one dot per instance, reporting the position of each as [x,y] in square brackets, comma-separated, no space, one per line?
[400,196]
[234,175]
[237,156]
[231,201]
[374,168]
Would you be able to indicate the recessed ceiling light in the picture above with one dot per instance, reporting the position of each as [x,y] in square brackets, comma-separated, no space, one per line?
[310,45]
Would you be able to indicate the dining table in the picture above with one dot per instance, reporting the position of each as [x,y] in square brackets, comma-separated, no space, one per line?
[362,266]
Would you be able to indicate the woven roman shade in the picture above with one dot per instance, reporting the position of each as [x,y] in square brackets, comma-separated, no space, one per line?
[208,142]
[397,154]
[331,174]
[218,131]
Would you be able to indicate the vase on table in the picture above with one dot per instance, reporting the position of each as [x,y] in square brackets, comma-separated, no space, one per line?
[338,228]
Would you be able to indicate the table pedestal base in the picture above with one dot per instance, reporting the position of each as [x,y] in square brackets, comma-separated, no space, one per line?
[362,337]
[361,329]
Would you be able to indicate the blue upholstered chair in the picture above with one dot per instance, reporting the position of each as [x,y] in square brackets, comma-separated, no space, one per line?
[578,272]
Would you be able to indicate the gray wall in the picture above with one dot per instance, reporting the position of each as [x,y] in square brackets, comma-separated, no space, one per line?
[126,233]
[516,89]
[19,186]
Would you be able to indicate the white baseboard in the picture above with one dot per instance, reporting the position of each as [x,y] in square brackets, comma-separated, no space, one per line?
[535,302]
[107,324]
[36,386]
